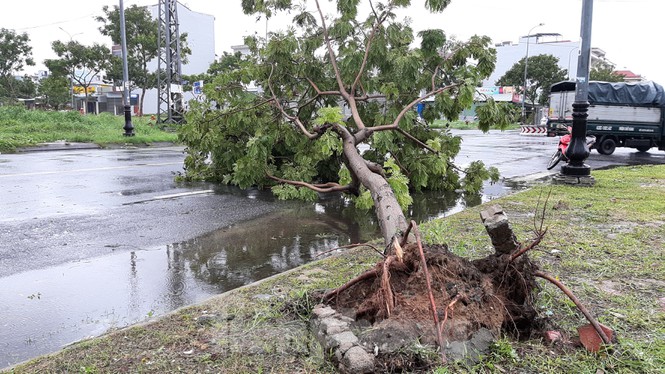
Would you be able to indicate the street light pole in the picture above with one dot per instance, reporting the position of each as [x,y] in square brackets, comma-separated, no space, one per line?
[71,75]
[576,171]
[526,67]
[129,128]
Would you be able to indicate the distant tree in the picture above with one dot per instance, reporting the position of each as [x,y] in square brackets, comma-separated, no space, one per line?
[224,64]
[141,31]
[15,53]
[24,87]
[543,71]
[90,61]
[55,90]
[12,88]
[603,71]
[141,34]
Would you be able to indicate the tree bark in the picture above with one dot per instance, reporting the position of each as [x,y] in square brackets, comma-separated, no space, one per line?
[141,101]
[389,213]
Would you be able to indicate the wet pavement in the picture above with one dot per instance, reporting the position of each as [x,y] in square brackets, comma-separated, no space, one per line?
[99,239]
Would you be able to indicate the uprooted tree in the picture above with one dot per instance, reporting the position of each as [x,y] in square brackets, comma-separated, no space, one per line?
[329,105]
[332,85]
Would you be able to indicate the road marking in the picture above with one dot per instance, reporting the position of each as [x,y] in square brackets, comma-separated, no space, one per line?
[87,170]
[172,196]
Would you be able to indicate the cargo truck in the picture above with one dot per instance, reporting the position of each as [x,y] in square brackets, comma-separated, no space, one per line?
[620,114]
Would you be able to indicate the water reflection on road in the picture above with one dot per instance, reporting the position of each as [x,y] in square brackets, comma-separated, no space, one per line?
[43,310]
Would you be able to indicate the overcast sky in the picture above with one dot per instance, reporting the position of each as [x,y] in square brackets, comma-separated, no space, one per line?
[629,31]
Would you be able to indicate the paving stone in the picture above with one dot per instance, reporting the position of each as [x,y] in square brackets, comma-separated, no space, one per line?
[357,361]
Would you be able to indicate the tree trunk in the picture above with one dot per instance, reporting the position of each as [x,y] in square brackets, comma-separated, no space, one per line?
[390,215]
[141,101]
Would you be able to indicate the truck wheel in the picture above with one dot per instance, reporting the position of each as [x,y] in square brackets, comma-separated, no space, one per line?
[607,146]
[643,148]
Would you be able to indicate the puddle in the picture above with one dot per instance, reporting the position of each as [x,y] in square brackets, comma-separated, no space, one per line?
[46,309]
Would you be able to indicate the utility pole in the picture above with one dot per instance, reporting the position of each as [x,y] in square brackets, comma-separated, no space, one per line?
[169,79]
[576,171]
[129,128]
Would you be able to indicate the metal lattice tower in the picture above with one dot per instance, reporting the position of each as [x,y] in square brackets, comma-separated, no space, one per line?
[169,82]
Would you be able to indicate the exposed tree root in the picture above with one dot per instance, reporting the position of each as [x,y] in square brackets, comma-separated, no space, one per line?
[415,284]
[428,282]
[578,304]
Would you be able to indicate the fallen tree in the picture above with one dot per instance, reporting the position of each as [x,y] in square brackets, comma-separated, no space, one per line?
[329,106]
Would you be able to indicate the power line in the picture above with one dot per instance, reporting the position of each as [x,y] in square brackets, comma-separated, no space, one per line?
[55,23]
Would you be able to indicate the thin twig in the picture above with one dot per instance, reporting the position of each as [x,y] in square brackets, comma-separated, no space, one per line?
[417,141]
[352,246]
[529,247]
[577,302]
[429,291]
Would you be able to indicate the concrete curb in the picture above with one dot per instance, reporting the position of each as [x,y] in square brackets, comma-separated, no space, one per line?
[68,146]
[57,146]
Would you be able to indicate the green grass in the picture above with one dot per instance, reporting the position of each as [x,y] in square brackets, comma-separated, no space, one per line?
[20,127]
[606,243]
[462,125]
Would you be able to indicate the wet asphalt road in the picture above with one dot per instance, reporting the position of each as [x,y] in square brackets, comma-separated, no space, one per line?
[521,157]
[70,205]
[62,206]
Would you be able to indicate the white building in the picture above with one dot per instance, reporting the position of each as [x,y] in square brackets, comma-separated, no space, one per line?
[200,29]
[509,53]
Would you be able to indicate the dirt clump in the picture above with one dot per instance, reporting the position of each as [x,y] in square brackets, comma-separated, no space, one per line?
[393,302]
[493,292]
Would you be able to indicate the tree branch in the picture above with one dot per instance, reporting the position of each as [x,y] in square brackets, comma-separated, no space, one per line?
[322,93]
[338,76]
[415,140]
[333,60]
[293,119]
[399,117]
[322,188]
[379,21]
[375,168]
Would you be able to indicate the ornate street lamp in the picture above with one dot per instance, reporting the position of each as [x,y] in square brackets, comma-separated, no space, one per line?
[71,75]
[526,67]
[576,171]
[129,128]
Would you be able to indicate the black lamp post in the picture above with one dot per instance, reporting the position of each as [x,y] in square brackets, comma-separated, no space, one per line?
[129,128]
[576,171]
